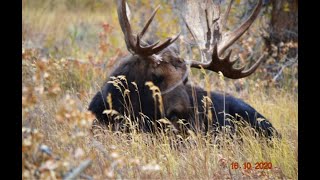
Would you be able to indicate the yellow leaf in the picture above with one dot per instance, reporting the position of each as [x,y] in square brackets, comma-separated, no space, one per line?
[286,7]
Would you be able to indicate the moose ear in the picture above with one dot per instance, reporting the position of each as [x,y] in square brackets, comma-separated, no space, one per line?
[175,48]
[150,41]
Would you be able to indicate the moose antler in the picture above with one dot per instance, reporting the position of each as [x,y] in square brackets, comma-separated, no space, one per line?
[225,65]
[134,42]
[218,42]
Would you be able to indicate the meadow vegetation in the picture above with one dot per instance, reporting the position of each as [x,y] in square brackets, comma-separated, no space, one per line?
[70,48]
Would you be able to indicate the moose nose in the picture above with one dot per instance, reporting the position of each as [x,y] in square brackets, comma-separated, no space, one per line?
[176,104]
[175,115]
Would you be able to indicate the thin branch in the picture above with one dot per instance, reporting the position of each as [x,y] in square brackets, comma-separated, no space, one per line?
[226,15]
[77,171]
[290,62]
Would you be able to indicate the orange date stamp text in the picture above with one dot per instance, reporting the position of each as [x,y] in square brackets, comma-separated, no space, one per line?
[248,165]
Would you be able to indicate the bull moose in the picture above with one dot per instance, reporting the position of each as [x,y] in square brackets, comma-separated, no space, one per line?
[152,84]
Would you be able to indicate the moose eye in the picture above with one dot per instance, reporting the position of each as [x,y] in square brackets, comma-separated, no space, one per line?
[157,79]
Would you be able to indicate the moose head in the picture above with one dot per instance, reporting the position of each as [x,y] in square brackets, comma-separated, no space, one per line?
[152,82]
